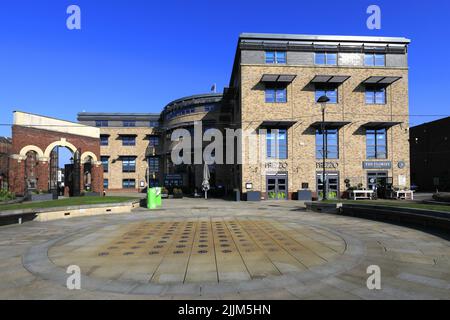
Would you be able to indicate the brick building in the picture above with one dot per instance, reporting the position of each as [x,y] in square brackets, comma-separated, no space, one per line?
[275,83]
[430,155]
[5,152]
[33,164]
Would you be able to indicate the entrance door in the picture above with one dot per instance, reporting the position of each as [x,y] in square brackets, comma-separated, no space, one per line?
[277,187]
[377,181]
[332,185]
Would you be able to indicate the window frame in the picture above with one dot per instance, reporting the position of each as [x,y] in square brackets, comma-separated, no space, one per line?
[325,91]
[130,186]
[373,59]
[276,59]
[129,123]
[102,142]
[276,94]
[319,142]
[152,165]
[326,59]
[377,154]
[101,123]
[105,169]
[106,183]
[128,140]
[275,132]
[374,91]
[127,167]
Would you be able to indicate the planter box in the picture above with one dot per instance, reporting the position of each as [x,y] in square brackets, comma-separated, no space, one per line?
[253,196]
[42,197]
[178,196]
[304,195]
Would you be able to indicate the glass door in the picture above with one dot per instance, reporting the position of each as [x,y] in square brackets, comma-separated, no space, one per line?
[277,188]
[332,185]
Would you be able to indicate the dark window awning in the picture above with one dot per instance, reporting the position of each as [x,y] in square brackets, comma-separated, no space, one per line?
[126,156]
[380,81]
[105,135]
[277,124]
[330,124]
[329,80]
[278,78]
[381,124]
[127,135]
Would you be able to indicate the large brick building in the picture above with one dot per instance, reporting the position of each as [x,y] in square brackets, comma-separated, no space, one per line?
[430,155]
[275,84]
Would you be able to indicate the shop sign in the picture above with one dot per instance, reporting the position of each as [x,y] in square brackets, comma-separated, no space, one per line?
[377,165]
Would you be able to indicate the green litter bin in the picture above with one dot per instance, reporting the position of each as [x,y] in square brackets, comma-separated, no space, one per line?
[153,198]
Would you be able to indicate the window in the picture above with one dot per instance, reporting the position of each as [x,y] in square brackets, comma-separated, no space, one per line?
[376,96]
[276,143]
[105,163]
[128,140]
[325,58]
[153,164]
[128,164]
[101,123]
[331,144]
[129,184]
[104,140]
[376,144]
[276,95]
[275,57]
[210,108]
[105,183]
[331,93]
[153,124]
[374,60]
[129,123]
[153,141]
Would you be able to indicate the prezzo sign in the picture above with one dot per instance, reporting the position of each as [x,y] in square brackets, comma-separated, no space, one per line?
[377,165]
[276,165]
[328,165]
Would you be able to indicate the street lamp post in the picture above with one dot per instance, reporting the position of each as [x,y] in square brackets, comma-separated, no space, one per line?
[323,103]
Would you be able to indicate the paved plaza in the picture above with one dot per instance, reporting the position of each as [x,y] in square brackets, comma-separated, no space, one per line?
[196,249]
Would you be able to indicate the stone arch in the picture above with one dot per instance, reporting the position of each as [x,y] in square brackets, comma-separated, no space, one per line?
[26,149]
[62,143]
[88,154]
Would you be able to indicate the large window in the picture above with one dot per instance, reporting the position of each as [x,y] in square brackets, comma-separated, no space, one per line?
[104,140]
[276,143]
[101,123]
[376,96]
[129,184]
[375,60]
[128,140]
[331,147]
[105,163]
[129,123]
[325,58]
[276,95]
[153,164]
[376,144]
[153,124]
[128,164]
[153,141]
[105,183]
[331,93]
[275,57]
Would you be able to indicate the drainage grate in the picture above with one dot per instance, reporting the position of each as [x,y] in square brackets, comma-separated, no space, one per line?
[203,246]
[102,254]
[128,253]
[153,253]
[178,252]
[112,248]
[227,251]
[135,247]
[202,251]
[158,247]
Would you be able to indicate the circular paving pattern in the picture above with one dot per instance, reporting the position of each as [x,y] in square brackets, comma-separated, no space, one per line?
[192,251]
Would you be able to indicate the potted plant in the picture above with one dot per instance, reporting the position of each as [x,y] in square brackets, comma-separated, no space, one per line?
[177,193]
[164,193]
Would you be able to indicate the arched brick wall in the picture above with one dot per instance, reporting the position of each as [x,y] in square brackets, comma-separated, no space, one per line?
[42,141]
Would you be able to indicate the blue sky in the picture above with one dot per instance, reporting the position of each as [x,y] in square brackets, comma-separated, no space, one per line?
[138,55]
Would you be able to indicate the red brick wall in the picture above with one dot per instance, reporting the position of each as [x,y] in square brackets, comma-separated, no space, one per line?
[23,136]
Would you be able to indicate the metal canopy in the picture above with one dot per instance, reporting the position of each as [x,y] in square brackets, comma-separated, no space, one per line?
[381,124]
[380,80]
[278,78]
[277,124]
[127,135]
[330,124]
[334,80]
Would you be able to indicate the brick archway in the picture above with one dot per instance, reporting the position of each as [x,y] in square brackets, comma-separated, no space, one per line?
[42,134]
